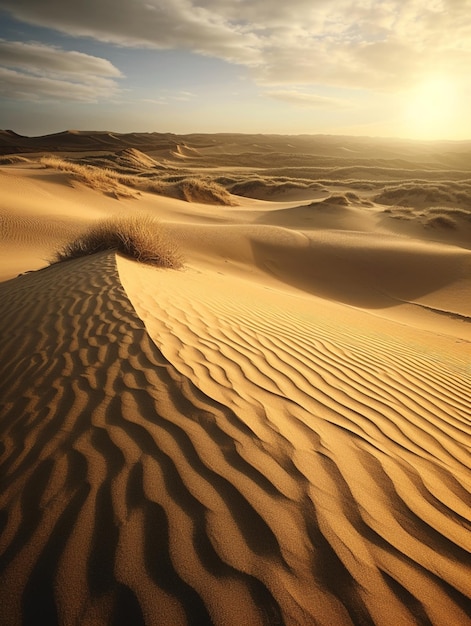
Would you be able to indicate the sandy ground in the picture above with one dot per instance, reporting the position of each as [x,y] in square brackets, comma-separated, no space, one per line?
[277,433]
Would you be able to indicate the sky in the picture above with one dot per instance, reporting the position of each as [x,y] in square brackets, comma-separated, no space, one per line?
[390,68]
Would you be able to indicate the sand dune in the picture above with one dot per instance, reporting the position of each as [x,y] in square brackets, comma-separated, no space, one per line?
[278,433]
[270,467]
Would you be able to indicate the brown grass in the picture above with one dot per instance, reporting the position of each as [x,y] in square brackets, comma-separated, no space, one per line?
[121,185]
[339,199]
[101,179]
[205,191]
[12,159]
[440,221]
[444,193]
[140,237]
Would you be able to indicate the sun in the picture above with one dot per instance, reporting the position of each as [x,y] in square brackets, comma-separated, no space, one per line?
[430,108]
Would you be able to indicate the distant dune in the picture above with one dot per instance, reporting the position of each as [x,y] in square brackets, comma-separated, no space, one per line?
[278,432]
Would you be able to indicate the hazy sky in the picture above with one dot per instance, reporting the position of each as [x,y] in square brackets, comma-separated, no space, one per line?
[369,67]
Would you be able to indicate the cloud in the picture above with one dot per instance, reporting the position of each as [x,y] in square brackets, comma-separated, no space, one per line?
[35,88]
[167,97]
[305,99]
[373,44]
[32,71]
[42,58]
[164,24]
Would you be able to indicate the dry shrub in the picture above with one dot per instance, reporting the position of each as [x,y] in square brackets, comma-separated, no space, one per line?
[250,186]
[434,217]
[117,184]
[440,221]
[351,195]
[139,237]
[338,199]
[154,186]
[417,194]
[101,179]
[400,213]
[451,212]
[208,192]
[258,187]
[11,159]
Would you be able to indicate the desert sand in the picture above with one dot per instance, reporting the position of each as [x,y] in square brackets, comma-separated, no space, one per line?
[278,432]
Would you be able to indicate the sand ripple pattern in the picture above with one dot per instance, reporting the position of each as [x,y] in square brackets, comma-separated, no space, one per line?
[246,467]
[350,448]
[107,508]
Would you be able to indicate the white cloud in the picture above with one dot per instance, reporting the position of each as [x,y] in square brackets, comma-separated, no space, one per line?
[367,44]
[164,24]
[37,57]
[305,99]
[22,86]
[35,71]
[166,97]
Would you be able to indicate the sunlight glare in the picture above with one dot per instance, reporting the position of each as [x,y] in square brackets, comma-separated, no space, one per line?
[430,108]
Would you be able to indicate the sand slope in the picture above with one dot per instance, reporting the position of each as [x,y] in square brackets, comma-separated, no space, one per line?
[279,433]
[258,464]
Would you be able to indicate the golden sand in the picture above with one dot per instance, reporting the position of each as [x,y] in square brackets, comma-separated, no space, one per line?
[278,433]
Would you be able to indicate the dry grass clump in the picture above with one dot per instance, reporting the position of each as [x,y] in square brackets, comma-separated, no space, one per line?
[440,221]
[351,195]
[401,213]
[445,193]
[11,159]
[101,179]
[205,191]
[261,187]
[339,199]
[120,185]
[139,237]
[440,217]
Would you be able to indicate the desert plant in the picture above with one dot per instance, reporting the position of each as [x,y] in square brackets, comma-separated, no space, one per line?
[12,159]
[339,199]
[101,179]
[440,221]
[140,237]
[204,191]
[119,185]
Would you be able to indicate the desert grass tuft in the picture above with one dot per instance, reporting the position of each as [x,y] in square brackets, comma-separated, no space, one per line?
[121,185]
[440,221]
[204,191]
[12,159]
[140,237]
[100,179]
[453,194]
[338,199]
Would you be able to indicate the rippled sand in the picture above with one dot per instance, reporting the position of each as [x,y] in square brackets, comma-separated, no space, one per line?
[279,433]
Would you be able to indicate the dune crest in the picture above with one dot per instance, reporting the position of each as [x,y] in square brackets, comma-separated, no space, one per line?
[277,432]
[361,441]
[103,457]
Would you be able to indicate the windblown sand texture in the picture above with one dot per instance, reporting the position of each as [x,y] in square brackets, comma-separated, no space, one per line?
[279,432]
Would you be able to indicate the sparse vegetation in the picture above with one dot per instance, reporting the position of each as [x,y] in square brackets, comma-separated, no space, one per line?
[101,179]
[440,221]
[209,192]
[339,199]
[441,217]
[130,172]
[140,237]
[351,195]
[261,187]
[117,184]
[444,193]
[12,159]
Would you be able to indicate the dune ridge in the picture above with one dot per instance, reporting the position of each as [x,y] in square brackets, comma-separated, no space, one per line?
[245,474]
[367,436]
[106,500]
[278,432]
